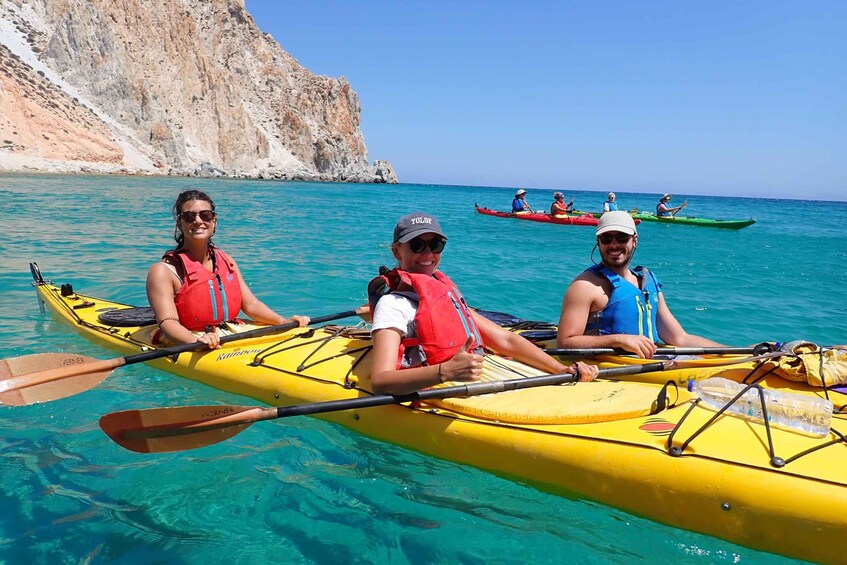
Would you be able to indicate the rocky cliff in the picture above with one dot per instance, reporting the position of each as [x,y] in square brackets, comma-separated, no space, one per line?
[184,87]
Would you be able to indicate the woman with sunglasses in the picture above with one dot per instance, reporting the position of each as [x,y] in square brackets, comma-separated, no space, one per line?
[611,305]
[196,287]
[423,331]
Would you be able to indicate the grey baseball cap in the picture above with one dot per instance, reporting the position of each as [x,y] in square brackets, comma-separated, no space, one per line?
[417,223]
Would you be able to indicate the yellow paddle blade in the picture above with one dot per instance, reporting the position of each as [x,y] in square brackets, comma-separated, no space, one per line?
[20,385]
[160,430]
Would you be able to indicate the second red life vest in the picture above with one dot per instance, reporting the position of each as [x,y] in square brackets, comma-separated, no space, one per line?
[443,320]
[207,298]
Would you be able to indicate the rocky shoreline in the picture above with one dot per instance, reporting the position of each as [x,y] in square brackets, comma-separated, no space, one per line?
[11,162]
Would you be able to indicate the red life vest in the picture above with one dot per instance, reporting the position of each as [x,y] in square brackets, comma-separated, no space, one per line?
[206,298]
[443,320]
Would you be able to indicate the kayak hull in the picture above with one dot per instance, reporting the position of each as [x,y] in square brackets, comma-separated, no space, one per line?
[694,221]
[684,220]
[581,220]
[722,484]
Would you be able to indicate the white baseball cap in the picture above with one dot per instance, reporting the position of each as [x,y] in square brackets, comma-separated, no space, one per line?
[616,221]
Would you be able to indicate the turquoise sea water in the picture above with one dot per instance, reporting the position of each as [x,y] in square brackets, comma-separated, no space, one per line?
[304,491]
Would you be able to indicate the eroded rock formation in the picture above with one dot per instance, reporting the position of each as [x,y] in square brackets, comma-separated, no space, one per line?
[187,87]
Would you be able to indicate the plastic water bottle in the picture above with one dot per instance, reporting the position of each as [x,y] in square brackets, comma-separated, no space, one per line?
[800,413]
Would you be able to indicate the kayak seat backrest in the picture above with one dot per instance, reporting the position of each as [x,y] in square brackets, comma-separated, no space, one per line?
[128,317]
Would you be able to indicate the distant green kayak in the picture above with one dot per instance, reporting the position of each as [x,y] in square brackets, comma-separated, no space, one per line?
[687,220]
[694,221]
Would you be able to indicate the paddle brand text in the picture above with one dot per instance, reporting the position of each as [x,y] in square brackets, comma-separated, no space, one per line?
[73,361]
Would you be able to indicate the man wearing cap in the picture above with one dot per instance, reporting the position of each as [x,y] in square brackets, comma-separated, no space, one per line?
[664,211]
[559,209]
[519,204]
[610,205]
[611,305]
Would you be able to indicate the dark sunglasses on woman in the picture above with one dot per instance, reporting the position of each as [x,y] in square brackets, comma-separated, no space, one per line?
[205,215]
[418,245]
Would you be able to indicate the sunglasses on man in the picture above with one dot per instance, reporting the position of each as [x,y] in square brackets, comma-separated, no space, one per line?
[607,238]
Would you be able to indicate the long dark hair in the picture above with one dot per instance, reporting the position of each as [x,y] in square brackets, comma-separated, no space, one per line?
[184,197]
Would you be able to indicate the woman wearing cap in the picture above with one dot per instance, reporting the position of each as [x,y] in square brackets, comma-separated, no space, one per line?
[611,305]
[664,211]
[423,332]
[559,209]
[196,287]
[519,204]
[610,205]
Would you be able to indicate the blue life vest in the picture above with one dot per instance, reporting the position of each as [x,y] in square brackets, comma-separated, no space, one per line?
[631,310]
[613,206]
[662,214]
[517,205]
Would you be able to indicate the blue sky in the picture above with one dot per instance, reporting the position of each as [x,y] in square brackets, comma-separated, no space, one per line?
[723,98]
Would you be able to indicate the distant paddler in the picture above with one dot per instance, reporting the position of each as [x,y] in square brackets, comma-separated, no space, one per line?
[663,210]
[611,305]
[519,204]
[559,209]
[610,205]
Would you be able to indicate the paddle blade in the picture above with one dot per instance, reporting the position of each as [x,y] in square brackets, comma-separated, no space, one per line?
[20,385]
[161,430]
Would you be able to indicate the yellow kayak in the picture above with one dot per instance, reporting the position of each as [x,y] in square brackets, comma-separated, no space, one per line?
[603,441]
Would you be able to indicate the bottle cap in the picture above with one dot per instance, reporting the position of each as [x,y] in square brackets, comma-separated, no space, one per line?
[690,385]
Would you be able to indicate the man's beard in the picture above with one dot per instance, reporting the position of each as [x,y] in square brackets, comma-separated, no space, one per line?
[617,260]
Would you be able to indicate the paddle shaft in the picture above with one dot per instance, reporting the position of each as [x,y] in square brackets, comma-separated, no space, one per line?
[457,391]
[84,367]
[176,429]
[258,332]
[592,352]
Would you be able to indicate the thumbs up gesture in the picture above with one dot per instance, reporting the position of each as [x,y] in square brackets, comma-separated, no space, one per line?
[463,366]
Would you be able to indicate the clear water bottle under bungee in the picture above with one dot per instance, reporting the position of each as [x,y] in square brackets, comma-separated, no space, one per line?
[804,414]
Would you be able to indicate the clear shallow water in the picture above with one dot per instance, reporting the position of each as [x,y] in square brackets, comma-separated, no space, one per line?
[305,491]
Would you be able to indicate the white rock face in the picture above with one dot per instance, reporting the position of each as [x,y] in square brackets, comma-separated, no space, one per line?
[184,87]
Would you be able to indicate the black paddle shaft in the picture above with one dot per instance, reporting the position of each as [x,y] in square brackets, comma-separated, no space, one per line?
[457,391]
[591,352]
[198,345]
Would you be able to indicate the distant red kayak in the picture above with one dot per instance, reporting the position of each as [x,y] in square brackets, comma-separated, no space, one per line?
[584,220]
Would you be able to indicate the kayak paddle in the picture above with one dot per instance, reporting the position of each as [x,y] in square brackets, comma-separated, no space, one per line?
[43,377]
[159,430]
[591,352]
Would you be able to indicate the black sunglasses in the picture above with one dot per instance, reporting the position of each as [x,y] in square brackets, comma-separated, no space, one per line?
[607,238]
[418,245]
[205,215]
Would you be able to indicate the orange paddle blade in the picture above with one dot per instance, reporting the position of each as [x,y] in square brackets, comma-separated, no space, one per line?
[160,430]
[43,377]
